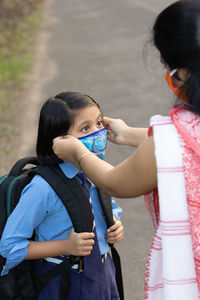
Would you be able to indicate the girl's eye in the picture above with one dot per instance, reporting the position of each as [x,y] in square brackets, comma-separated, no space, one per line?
[84,129]
[99,123]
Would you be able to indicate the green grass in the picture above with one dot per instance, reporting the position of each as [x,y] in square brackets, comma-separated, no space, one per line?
[17,46]
[15,58]
[13,69]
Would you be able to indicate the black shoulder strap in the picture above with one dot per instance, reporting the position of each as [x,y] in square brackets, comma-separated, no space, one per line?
[71,194]
[21,163]
[77,204]
[118,273]
[106,205]
[108,213]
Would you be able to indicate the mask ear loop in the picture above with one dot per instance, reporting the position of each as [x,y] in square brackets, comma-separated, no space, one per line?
[176,91]
[173,72]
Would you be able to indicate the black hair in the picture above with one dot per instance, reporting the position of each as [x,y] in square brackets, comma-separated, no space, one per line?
[176,34]
[56,117]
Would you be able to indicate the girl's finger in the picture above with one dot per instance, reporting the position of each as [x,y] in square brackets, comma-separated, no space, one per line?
[116,232]
[115,226]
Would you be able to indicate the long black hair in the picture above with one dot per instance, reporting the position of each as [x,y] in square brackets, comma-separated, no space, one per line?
[56,117]
[176,34]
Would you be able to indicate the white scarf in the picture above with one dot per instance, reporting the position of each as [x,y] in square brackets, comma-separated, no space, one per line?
[170,271]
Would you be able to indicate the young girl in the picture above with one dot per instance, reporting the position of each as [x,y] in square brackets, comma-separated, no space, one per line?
[41,210]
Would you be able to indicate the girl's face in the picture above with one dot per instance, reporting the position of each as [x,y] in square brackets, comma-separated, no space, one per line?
[86,121]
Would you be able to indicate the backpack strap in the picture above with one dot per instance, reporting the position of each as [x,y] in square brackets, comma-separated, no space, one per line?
[21,163]
[118,273]
[71,194]
[107,210]
[79,209]
[60,269]
[106,205]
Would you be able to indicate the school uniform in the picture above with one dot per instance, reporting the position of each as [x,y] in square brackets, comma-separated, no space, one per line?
[40,209]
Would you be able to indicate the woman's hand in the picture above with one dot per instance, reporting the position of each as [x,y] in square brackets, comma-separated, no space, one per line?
[69,148]
[116,129]
[79,244]
[115,233]
[122,134]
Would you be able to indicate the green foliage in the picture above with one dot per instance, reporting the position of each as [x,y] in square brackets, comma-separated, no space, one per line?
[17,44]
[16,57]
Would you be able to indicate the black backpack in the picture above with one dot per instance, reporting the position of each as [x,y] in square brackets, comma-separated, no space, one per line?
[21,283]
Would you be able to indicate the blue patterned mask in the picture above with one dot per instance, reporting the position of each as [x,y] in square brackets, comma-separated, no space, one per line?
[96,142]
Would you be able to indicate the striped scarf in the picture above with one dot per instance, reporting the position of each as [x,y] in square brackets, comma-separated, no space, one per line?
[172,270]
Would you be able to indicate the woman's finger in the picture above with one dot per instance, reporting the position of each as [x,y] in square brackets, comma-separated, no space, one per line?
[107,121]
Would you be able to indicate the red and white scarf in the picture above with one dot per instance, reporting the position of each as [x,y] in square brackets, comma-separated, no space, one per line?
[173,265]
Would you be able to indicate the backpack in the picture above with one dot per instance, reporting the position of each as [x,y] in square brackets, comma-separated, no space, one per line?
[21,283]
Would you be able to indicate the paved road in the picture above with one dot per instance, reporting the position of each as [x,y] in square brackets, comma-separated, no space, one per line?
[100,47]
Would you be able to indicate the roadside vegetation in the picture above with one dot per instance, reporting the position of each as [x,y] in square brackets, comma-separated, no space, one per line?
[20,22]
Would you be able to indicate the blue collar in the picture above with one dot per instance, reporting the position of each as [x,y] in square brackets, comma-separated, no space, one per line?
[69,169]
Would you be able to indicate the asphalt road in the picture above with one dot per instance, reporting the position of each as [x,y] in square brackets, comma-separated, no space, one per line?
[101,47]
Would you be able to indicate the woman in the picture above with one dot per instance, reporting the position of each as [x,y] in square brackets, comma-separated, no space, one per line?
[165,166]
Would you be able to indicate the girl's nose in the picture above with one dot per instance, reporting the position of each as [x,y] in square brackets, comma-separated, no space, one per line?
[94,128]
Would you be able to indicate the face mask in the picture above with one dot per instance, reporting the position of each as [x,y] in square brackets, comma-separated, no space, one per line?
[177,91]
[96,142]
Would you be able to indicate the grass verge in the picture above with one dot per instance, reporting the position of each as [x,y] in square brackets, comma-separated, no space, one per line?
[17,44]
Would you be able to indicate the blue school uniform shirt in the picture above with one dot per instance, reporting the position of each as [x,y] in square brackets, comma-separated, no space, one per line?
[40,209]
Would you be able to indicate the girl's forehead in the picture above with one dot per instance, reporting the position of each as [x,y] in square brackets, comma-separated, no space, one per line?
[86,115]
[89,110]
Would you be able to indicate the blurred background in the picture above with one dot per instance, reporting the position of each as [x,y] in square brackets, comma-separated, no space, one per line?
[102,48]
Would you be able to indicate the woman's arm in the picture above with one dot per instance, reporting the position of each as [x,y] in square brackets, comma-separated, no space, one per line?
[133,177]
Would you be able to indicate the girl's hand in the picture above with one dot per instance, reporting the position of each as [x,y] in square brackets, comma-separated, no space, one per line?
[79,244]
[116,129]
[69,148]
[115,233]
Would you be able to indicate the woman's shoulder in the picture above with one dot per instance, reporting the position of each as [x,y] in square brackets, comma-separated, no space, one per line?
[157,120]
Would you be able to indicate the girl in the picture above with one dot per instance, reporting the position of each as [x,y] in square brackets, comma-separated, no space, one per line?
[166,165]
[41,210]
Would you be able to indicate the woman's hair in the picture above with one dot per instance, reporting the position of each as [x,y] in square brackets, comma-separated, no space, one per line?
[56,117]
[176,34]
